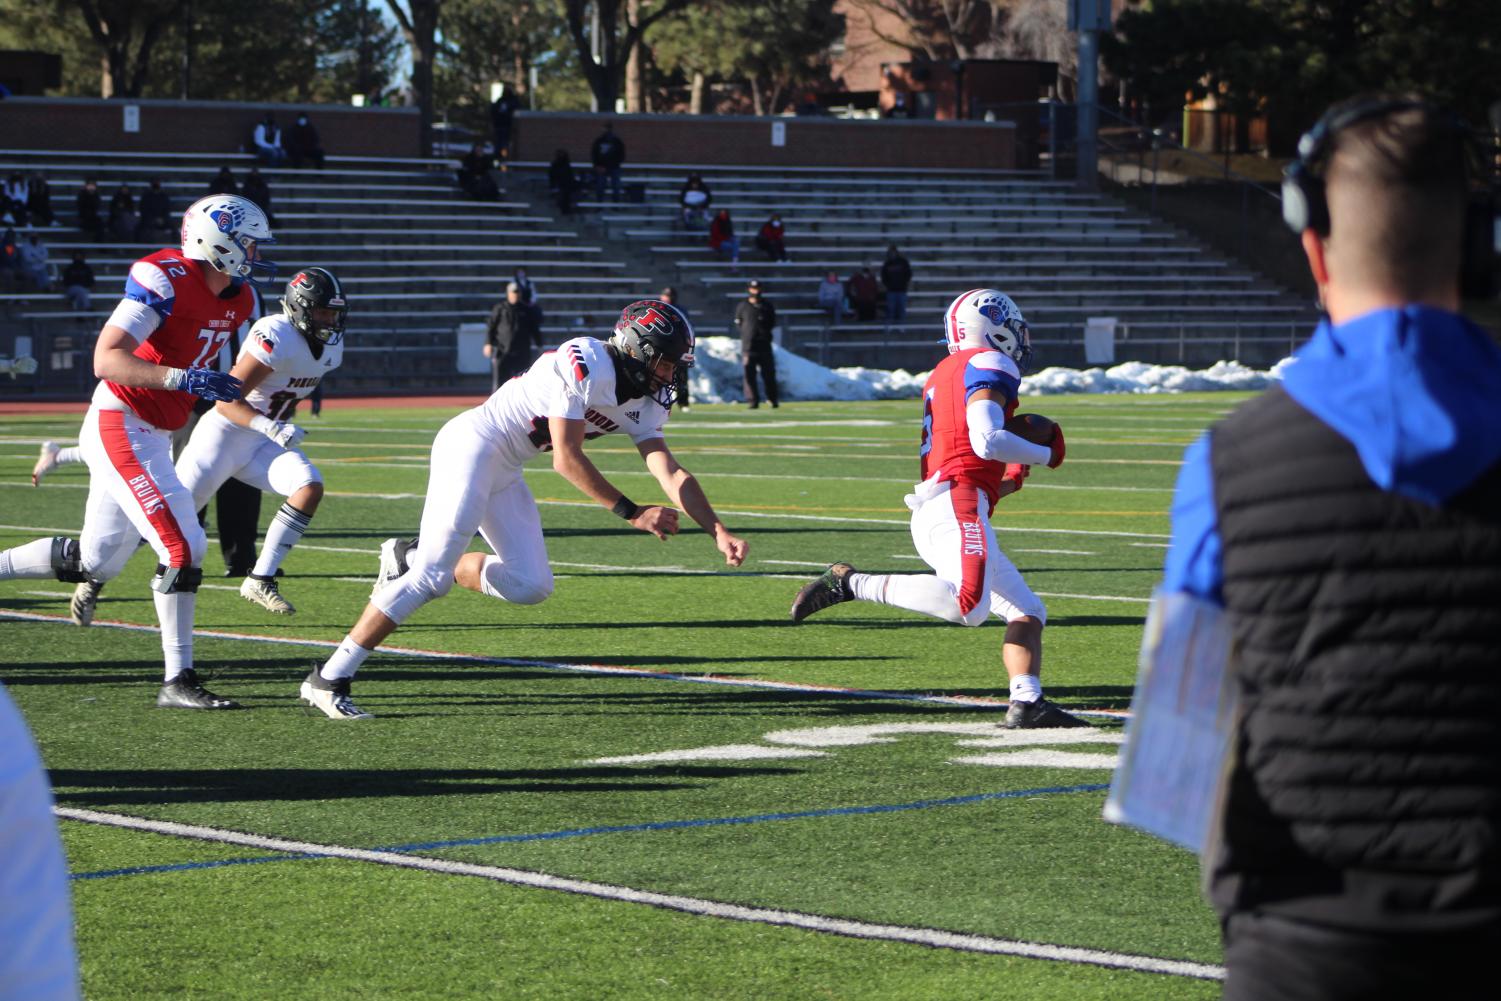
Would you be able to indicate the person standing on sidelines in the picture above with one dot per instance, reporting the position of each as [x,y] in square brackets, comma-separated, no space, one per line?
[969,461]
[756,321]
[1348,523]
[254,440]
[179,308]
[513,330]
[585,389]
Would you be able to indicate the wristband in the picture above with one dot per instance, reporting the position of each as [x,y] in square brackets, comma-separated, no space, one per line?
[173,378]
[625,508]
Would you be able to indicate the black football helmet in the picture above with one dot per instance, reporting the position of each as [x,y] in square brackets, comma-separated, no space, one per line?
[315,304]
[648,332]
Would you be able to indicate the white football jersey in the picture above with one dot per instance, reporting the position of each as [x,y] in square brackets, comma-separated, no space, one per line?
[576,381]
[274,342]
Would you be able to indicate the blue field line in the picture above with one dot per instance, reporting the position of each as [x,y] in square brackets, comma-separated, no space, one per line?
[660,825]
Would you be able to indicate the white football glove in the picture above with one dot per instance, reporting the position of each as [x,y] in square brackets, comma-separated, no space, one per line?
[285,434]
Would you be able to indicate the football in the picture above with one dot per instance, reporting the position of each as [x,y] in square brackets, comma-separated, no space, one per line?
[1033,427]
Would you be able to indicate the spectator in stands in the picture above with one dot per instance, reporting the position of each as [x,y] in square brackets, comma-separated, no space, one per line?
[514,327]
[772,240]
[267,141]
[831,297]
[258,191]
[123,217]
[474,175]
[722,236]
[527,286]
[88,209]
[10,260]
[898,107]
[303,145]
[562,181]
[13,197]
[223,183]
[502,112]
[756,320]
[862,292]
[78,283]
[34,264]
[669,295]
[694,200]
[39,201]
[156,212]
[608,156]
[896,275]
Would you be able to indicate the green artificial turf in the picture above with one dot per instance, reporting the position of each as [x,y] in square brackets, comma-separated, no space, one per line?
[504,748]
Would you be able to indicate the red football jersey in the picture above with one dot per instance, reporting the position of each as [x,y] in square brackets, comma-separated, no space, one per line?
[945,448]
[195,323]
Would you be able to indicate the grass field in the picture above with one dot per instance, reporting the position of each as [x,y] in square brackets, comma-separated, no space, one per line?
[651,786]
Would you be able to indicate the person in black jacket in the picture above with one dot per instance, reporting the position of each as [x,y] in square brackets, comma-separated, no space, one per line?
[562,181]
[156,211]
[258,191]
[223,183]
[515,327]
[78,282]
[303,144]
[896,275]
[89,220]
[1348,522]
[608,156]
[755,319]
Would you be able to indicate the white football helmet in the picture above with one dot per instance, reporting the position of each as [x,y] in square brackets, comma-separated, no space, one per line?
[228,232]
[985,318]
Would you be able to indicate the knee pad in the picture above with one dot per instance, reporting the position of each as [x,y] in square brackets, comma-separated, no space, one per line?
[67,560]
[176,580]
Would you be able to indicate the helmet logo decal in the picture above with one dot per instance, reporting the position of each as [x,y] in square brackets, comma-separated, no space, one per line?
[993,312]
[224,219]
[653,320]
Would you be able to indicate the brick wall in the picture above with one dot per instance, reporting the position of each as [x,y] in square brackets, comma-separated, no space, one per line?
[746,141]
[197,126]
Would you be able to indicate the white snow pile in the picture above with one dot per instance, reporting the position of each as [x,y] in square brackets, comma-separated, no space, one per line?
[716,378]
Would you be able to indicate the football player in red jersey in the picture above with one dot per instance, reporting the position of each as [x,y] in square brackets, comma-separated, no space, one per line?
[178,309]
[968,461]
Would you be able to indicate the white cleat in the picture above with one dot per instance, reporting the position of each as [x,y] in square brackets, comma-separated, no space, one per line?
[85,597]
[331,697]
[393,562]
[263,591]
[45,463]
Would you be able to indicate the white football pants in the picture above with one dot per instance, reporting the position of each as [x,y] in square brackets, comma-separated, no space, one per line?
[220,449]
[972,579]
[471,488]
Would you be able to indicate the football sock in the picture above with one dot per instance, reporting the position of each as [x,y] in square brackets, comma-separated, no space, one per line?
[33,560]
[175,612]
[345,661]
[283,533]
[923,593]
[70,454]
[1026,688]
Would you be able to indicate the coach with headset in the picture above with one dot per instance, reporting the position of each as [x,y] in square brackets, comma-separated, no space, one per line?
[1349,523]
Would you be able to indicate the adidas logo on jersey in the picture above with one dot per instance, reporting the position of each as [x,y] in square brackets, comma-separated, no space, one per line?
[634,415]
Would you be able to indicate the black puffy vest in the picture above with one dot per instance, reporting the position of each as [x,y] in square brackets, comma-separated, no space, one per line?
[1366,792]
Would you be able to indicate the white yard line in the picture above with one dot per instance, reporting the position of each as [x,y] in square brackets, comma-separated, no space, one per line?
[931,937]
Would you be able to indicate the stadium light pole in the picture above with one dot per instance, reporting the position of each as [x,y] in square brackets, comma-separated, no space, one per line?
[1088,18]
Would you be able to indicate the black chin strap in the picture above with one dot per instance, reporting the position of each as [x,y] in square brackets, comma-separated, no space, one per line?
[627,384]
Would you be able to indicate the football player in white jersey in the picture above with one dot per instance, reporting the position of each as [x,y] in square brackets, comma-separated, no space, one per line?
[254,439]
[585,389]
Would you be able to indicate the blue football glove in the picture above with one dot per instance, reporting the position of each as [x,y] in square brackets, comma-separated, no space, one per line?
[210,385]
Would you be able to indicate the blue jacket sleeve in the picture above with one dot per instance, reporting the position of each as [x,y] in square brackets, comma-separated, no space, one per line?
[1194,556]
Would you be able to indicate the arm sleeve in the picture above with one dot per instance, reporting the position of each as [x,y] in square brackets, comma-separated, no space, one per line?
[1195,555]
[147,301]
[990,439]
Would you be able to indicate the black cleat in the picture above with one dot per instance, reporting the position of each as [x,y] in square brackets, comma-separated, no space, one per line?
[331,697]
[1039,715]
[184,692]
[829,588]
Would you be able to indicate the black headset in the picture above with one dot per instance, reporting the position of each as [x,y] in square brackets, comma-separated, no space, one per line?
[1304,205]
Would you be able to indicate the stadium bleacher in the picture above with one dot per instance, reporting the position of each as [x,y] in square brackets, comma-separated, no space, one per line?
[420,259]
